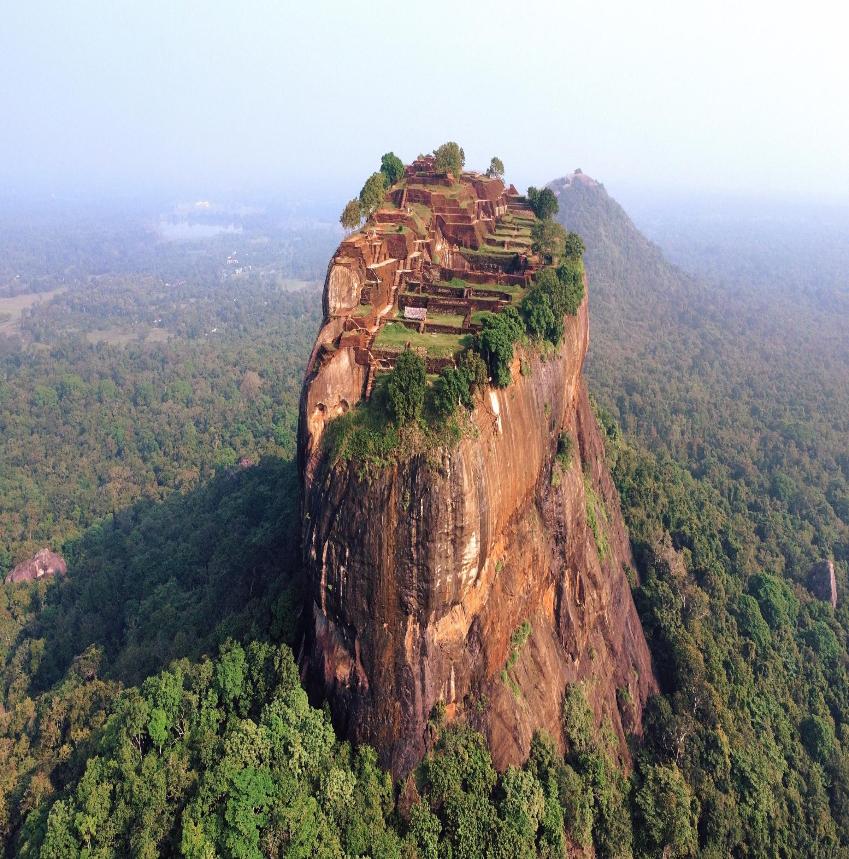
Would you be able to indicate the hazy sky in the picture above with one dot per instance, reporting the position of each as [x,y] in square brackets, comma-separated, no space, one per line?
[304,97]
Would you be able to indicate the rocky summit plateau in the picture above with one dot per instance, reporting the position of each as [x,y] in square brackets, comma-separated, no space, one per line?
[472,579]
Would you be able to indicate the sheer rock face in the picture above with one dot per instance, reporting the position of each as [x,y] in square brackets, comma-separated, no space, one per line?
[422,572]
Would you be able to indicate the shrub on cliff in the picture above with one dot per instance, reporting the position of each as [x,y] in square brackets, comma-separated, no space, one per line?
[565,449]
[570,293]
[351,215]
[450,158]
[392,167]
[543,202]
[541,321]
[495,343]
[556,293]
[456,386]
[450,390]
[547,239]
[406,388]
[573,247]
[373,193]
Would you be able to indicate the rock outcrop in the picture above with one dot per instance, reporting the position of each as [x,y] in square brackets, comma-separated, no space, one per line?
[485,578]
[822,581]
[43,563]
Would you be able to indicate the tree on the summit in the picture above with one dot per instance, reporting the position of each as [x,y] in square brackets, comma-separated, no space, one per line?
[406,387]
[496,168]
[351,215]
[373,193]
[573,246]
[543,202]
[392,167]
[547,239]
[450,158]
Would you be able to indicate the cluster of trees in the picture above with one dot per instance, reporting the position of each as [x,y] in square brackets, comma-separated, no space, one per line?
[498,335]
[406,388]
[373,191]
[733,479]
[550,240]
[753,673]
[450,158]
[457,386]
[556,292]
[218,758]
[164,581]
[759,409]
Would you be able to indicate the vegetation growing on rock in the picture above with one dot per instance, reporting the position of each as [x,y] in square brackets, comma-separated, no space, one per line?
[372,193]
[406,388]
[450,158]
[543,202]
[351,215]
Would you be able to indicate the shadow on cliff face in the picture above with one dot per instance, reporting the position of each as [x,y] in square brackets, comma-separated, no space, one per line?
[159,581]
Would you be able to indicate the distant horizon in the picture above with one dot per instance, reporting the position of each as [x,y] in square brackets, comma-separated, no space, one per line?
[139,97]
[326,201]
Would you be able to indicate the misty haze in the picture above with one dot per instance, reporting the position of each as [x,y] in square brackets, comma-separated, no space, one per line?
[424,430]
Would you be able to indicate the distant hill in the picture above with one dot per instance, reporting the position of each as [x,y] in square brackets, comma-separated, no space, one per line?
[733,378]
[631,282]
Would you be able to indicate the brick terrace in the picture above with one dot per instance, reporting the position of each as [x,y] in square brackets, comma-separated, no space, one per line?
[438,252]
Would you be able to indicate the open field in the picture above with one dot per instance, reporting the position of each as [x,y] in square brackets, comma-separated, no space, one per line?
[395,337]
[11,309]
[455,319]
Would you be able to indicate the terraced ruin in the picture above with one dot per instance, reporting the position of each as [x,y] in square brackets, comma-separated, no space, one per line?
[439,252]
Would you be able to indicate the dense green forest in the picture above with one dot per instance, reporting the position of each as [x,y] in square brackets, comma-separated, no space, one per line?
[743,379]
[150,700]
[131,385]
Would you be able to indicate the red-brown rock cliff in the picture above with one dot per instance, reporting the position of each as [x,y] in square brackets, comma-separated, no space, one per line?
[422,572]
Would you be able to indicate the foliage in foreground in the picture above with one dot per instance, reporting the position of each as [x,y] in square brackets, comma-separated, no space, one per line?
[227,758]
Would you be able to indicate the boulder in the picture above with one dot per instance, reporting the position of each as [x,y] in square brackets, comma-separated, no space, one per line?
[43,563]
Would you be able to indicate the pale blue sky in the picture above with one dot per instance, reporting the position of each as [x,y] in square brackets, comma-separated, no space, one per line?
[201,97]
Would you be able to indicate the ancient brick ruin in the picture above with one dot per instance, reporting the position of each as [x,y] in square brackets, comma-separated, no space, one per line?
[439,252]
